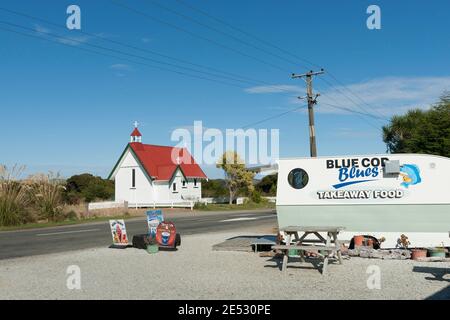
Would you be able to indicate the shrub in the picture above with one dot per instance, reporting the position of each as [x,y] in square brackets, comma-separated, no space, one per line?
[47,196]
[88,188]
[71,216]
[255,196]
[214,189]
[268,185]
[14,197]
[199,205]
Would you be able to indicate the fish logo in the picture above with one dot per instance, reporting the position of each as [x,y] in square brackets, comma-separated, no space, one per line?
[410,174]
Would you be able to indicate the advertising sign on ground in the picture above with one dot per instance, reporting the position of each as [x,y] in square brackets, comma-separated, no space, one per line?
[166,234]
[119,232]
[154,218]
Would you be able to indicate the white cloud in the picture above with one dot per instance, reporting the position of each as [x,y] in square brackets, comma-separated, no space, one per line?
[275,89]
[351,133]
[73,40]
[121,67]
[382,97]
[67,40]
[40,29]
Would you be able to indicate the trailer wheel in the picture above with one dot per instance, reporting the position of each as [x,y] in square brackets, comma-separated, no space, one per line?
[178,240]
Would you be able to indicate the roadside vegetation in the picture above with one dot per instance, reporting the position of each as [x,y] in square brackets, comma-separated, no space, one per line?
[46,198]
[419,131]
[248,205]
[238,182]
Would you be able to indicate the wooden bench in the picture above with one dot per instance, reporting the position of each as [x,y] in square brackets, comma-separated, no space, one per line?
[304,248]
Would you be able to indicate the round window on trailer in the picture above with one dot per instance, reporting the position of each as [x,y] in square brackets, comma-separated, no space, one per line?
[298,178]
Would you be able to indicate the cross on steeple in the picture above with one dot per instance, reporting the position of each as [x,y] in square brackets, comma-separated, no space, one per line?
[136,136]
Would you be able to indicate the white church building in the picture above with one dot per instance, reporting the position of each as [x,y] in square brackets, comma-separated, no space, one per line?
[147,175]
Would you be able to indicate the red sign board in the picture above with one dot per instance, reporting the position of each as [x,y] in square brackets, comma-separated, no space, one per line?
[166,234]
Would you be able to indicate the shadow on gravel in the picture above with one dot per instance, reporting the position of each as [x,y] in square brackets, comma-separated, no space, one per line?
[438,274]
[246,243]
[309,264]
[444,294]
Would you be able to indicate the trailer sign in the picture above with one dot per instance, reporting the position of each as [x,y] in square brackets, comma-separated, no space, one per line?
[350,169]
[360,194]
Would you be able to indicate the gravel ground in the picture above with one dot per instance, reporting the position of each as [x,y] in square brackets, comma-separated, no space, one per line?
[197,272]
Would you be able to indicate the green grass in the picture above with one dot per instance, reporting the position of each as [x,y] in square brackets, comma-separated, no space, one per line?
[231,207]
[66,222]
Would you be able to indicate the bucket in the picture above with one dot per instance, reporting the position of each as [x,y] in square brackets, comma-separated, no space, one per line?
[152,249]
[359,241]
[292,253]
[440,253]
[416,254]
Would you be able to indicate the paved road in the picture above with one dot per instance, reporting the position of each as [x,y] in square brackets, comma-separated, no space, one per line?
[14,244]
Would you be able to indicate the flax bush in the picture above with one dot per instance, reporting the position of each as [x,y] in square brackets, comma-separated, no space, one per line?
[47,196]
[14,197]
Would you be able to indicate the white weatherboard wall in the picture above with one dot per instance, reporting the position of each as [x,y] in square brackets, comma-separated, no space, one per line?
[144,192]
[188,192]
[422,211]
[193,191]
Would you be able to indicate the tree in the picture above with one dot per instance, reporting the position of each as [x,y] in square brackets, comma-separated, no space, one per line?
[89,188]
[236,175]
[420,131]
[214,188]
[268,185]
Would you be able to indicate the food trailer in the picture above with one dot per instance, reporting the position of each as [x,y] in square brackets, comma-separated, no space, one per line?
[379,195]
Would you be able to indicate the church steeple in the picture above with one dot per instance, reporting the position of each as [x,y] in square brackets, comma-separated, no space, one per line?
[136,136]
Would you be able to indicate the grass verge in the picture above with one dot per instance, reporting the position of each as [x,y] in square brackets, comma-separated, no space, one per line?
[231,207]
[67,222]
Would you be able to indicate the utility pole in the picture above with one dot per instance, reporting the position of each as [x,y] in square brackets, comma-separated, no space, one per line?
[312,100]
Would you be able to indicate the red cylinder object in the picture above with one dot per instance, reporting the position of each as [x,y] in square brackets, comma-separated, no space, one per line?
[418,253]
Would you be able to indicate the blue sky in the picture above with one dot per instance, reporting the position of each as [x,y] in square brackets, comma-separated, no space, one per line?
[68,110]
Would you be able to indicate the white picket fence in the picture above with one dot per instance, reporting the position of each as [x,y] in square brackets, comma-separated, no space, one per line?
[106,205]
[179,204]
[126,205]
[271,199]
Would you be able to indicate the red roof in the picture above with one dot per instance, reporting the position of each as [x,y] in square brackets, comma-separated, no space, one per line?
[157,161]
[136,133]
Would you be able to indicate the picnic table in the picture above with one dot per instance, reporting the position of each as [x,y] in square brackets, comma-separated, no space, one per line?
[325,247]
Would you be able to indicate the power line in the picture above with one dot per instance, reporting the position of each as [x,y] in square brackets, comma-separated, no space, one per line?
[238,77]
[209,40]
[140,57]
[144,14]
[118,51]
[337,89]
[357,96]
[267,43]
[196,9]
[129,45]
[157,67]
[189,18]
[273,117]
[357,113]
[118,57]
[350,110]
